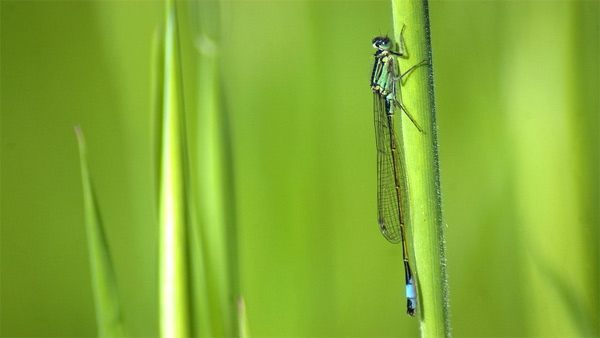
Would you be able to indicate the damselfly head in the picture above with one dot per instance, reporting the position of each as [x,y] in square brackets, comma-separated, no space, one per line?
[383,43]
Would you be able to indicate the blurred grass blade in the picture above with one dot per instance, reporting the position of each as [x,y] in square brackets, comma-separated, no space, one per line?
[211,159]
[174,291]
[108,309]
[243,323]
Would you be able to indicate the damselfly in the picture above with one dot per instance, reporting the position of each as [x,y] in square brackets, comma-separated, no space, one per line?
[390,162]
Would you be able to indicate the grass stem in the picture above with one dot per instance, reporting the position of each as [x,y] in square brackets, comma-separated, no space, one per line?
[421,155]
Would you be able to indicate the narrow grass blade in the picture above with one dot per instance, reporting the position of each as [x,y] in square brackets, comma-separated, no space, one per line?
[243,323]
[211,159]
[174,291]
[106,299]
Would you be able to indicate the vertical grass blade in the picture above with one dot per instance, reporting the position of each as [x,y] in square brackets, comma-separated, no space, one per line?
[420,150]
[104,286]
[211,159]
[242,320]
[174,291]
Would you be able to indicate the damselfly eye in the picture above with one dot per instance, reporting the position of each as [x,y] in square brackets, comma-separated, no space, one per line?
[383,43]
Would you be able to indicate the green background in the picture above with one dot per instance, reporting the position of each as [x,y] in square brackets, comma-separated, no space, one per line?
[517,87]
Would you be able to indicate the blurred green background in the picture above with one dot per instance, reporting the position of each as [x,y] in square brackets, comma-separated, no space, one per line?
[517,91]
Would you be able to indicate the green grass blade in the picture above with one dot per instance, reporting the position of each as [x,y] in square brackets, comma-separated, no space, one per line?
[211,159]
[106,299]
[174,309]
[242,320]
[421,155]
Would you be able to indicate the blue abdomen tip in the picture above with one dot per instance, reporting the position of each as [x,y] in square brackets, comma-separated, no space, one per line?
[410,291]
